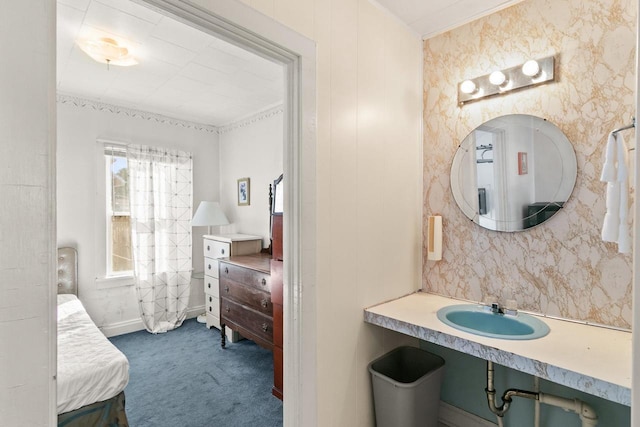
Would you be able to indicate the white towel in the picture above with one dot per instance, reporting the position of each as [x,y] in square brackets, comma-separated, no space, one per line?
[615,227]
[611,225]
[609,167]
[624,232]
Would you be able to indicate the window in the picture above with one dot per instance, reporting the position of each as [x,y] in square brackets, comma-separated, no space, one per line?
[118,226]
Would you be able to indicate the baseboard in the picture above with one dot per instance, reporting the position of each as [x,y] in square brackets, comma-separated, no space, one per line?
[133,325]
[451,416]
[194,311]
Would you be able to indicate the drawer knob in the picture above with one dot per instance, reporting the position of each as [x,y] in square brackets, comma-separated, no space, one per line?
[227,309]
[226,270]
[210,299]
[226,288]
[222,251]
[209,284]
[265,327]
[209,266]
[210,309]
[263,281]
[264,303]
[208,248]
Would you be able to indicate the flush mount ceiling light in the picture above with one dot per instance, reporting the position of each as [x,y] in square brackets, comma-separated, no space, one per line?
[532,72]
[107,51]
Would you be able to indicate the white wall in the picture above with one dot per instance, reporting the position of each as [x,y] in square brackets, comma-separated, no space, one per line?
[519,188]
[252,148]
[80,211]
[27,214]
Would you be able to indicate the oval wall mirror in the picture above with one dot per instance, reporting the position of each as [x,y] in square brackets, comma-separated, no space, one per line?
[513,172]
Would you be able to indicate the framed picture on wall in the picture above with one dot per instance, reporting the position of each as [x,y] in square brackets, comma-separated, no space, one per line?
[523,167]
[243,192]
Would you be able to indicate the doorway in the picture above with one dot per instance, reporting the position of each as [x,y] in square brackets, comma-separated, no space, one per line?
[243,27]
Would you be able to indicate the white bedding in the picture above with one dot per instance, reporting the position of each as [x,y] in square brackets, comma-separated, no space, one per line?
[90,368]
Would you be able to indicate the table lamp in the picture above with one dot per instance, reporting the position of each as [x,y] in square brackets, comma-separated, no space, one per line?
[209,214]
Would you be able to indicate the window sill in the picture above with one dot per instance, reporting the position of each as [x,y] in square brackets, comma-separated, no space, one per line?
[109,282]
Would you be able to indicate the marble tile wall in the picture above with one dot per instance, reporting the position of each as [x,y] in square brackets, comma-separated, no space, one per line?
[561,268]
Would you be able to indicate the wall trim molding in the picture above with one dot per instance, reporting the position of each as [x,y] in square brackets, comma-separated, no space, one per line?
[452,416]
[130,112]
[254,118]
[134,325]
[80,102]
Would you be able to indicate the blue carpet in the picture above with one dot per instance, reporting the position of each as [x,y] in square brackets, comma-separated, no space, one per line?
[183,378]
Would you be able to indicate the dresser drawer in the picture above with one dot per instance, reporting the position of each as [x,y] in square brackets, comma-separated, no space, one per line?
[211,267]
[253,322]
[246,295]
[248,277]
[211,286]
[216,249]
[212,306]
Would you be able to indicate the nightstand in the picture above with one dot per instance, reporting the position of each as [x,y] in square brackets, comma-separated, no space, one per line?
[218,246]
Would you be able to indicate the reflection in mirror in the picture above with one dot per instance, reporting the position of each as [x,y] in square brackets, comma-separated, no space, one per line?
[278,192]
[513,172]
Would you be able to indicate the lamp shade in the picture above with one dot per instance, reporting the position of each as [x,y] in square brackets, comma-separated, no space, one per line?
[209,213]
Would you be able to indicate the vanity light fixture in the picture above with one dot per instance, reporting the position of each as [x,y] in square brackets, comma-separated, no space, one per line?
[107,51]
[532,72]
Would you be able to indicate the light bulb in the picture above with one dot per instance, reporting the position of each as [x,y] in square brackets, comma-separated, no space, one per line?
[467,87]
[497,78]
[531,68]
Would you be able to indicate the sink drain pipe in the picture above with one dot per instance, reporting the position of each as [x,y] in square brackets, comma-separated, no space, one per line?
[586,413]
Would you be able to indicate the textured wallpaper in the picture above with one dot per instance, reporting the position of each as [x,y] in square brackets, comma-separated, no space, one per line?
[560,268]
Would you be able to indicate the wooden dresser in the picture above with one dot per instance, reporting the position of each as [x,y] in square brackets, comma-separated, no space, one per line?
[251,294]
[278,301]
[245,298]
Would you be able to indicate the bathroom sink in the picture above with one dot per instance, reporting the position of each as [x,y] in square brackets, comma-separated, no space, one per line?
[480,320]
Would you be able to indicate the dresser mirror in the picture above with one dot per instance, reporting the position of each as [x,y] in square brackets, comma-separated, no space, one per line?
[276,207]
[278,191]
[513,172]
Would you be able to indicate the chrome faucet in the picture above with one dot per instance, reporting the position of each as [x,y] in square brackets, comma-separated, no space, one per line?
[497,309]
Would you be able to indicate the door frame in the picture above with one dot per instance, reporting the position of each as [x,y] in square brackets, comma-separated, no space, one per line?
[245,27]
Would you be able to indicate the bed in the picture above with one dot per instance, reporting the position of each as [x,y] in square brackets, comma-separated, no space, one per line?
[92,372]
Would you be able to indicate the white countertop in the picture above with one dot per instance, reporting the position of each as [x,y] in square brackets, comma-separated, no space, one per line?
[588,358]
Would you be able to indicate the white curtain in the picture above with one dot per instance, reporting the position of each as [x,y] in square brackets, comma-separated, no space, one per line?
[161,196]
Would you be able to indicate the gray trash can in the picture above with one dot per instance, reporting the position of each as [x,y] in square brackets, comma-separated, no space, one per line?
[406,388]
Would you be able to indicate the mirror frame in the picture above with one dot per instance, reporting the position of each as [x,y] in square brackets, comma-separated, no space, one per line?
[549,209]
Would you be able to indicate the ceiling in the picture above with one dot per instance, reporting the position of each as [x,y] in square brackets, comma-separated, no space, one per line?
[429,17]
[187,74]
[182,72]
